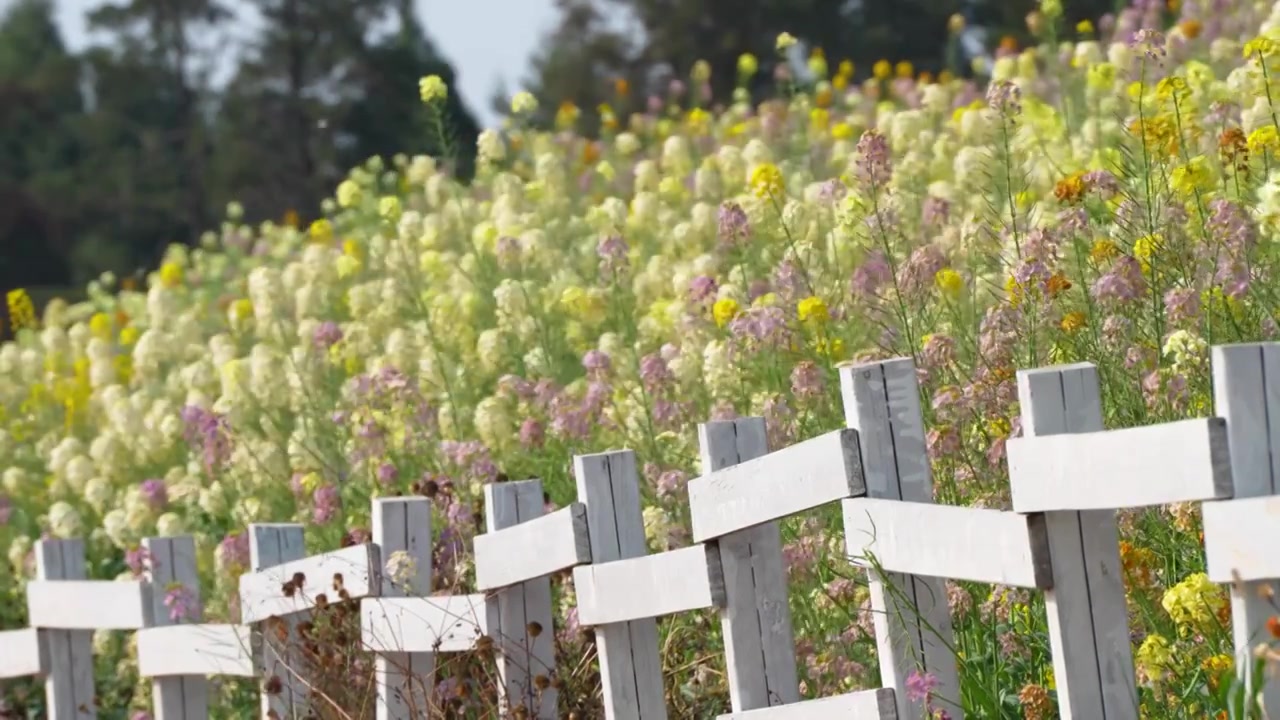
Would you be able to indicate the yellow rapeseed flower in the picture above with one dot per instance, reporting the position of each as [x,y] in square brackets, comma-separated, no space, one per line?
[949,282]
[1264,138]
[724,310]
[242,309]
[766,180]
[1102,76]
[22,312]
[785,40]
[747,65]
[129,336]
[842,131]
[1193,176]
[348,193]
[171,274]
[1155,657]
[1260,48]
[1084,27]
[432,89]
[100,326]
[812,310]
[1195,604]
[904,69]
[882,69]
[1147,246]
[1072,321]
[389,208]
[1103,250]
[321,230]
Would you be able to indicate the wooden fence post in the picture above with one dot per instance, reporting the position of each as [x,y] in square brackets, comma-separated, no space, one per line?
[526,637]
[1246,392]
[68,686]
[911,614]
[172,564]
[285,693]
[405,680]
[1088,618]
[630,666]
[759,644]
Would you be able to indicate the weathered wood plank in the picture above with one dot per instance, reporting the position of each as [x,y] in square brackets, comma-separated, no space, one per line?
[453,623]
[651,586]
[347,574]
[1088,618]
[533,549]
[273,545]
[963,543]
[525,637]
[21,654]
[1240,539]
[68,686]
[782,483]
[195,650]
[863,705]
[756,619]
[404,679]
[1135,467]
[1246,392]
[88,604]
[911,615]
[630,666]
[173,569]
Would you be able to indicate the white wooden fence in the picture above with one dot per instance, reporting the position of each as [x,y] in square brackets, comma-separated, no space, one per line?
[1060,538]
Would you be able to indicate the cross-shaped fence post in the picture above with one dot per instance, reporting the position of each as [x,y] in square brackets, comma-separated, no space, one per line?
[68,686]
[284,691]
[171,568]
[912,616]
[630,666]
[404,679]
[1075,475]
[1246,393]
[1088,618]
[759,646]
[526,637]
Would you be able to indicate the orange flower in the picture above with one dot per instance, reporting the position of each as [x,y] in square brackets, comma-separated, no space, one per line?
[621,87]
[1057,284]
[1070,189]
[1273,626]
[1191,28]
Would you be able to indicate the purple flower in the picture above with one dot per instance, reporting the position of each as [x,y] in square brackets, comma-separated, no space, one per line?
[671,482]
[234,550]
[387,473]
[702,289]
[874,164]
[1182,305]
[596,362]
[807,380]
[733,225]
[532,433]
[326,335]
[1122,283]
[182,603]
[154,493]
[6,510]
[613,254]
[654,373]
[138,560]
[208,432]
[873,274]
[326,504]
[1005,98]
[920,685]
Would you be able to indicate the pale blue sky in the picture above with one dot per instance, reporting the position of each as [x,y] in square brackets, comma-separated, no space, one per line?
[487,41]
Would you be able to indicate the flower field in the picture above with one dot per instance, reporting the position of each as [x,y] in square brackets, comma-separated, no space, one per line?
[1111,195]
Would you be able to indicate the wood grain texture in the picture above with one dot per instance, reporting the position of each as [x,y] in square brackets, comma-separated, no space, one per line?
[404,680]
[21,654]
[533,549]
[88,604]
[630,666]
[1135,467]
[804,476]
[910,614]
[756,619]
[1246,393]
[196,650]
[452,623]
[526,657]
[172,567]
[962,543]
[651,586]
[347,574]
[1086,608]
[876,704]
[68,686]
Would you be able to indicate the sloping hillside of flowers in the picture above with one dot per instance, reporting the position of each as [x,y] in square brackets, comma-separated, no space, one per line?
[1111,195]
